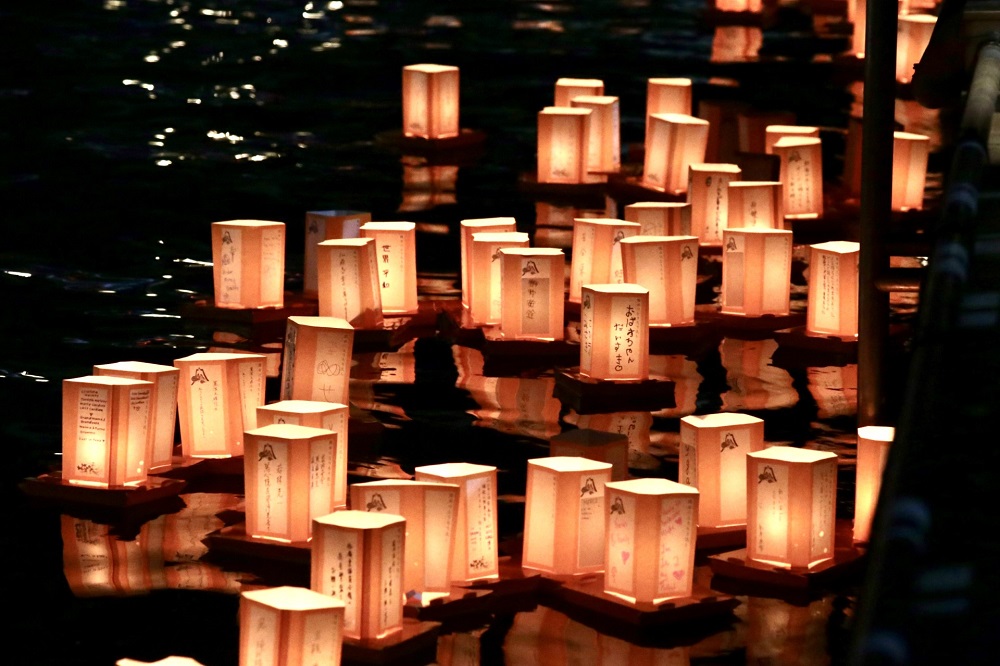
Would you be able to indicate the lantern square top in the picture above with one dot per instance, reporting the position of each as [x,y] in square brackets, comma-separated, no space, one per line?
[291,431]
[837,247]
[651,486]
[720,420]
[877,433]
[302,406]
[792,454]
[617,289]
[135,366]
[359,520]
[570,464]
[454,470]
[428,68]
[388,226]
[322,322]
[291,598]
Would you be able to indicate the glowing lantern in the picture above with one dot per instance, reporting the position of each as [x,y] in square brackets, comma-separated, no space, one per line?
[668,267]
[396,254]
[349,281]
[651,534]
[567,89]
[485,272]
[163,405]
[801,176]
[596,255]
[713,459]
[791,506]
[832,307]
[736,43]
[708,194]
[614,332]
[673,142]
[754,6]
[914,34]
[290,626]
[564,146]
[533,291]
[909,170]
[756,271]
[166,661]
[604,142]
[475,537]
[324,225]
[248,264]
[755,204]
[431,513]
[751,127]
[656,218]
[873,451]
[608,447]
[860,20]
[217,402]
[668,95]
[564,515]
[474,226]
[774,133]
[430,101]
[317,360]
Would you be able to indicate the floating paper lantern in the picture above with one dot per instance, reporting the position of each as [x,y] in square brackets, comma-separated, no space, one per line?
[755,204]
[668,95]
[564,515]
[485,272]
[564,146]
[567,89]
[166,661]
[607,447]
[349,281]
[317,359]
[753,6]
[673,142]
[604,143]
[248,264]
[474,226]
[430,101]
[791,506]
[533,291]
[324,225]
[217,402]
[357,557]
[290,626]
[708,194]
[801,176]
[614,332]
[713,458]
[873,451]
[396,255]
[913,35]
[668,267]
[163,405]
[475,537]
[832,306]
[774,133]
[660,218]
[431,513]
[859,10]
[426,185]
[909,170]
[756,271]
[651,535]
[596,256]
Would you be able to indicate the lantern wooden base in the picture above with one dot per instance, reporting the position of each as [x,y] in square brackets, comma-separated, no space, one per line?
[515,590]
[714,17]
[206,310]
[206,474]
[52,487]
[392,333]
[461,603]
[415,644]
[528,184]
[467,141]
[233,540]
[591,396]
[721,538]
[799,338]
[628,187]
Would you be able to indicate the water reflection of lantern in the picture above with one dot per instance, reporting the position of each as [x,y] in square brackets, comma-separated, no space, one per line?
[532,288]
[832,306]
[217,402]
[485,272]
[324,225]
[754,382]
[564,146]
[567,89]
[396,254]
[755,204]
[545,636]
[614,332]
[636,426]
[248,264]
[873,450]
[860,20]
[708,194]
[673,142]
[913,36]
[431,513]
[736,43]
[660,218]
[348,281]
[596,256]
[801,176]
[651,534]
[668,95]
[317,360]
[290,626]
[756,271]
[357,557]
[774,133]
[909,170]
[604,142]
[791,505]
[668,267]
[163,405]
[683,371]
[426,185]
[475,537]
[754,6]
[564,515]
[713,459]
[473,226]
[835,390]
[607,447]
[514,405]
[96,563]
[430,101]
[778,632]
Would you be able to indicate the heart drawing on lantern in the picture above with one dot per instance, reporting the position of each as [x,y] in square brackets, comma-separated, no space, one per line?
[678,574]
[625,556]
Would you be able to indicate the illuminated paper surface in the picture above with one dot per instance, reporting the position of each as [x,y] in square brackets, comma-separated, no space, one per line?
[430,101]
[322,225]
[396,255]
[317,359]
[290,626]
[708,195]
[485,273]
[248,260]
[596,255]
[832,305]
[673,142]
[668,267]
[532,293]
[473,226]
[660,218]
[756,271]
[614,332]
[349,281]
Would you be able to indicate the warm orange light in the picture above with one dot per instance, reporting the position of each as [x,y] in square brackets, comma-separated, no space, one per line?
[166,661]
[708,194]
[567,89]
[290,626]
[754,6]
[673,143]
[614,332]
[774,133]
[604,143]
[909,170]
[751,127]
[248,264]
[348,281]
[755,204]
[668,95]
[832,306]
[660,218]
[533,291]
[756,271]
[396,255]
[801,176]
[597,445]
[324,225]
[736,43]
[859,11]
[913,36]
[485,272]
[430,101]
[564,146]
[668,267]
[596,256]
[474,226]
[873,451]
[317,359]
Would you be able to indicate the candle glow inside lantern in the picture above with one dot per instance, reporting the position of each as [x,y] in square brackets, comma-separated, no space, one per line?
[604,142]
[801,176]
[713,458]
[913,35]
[217,402]
[475,537]
[357,557]
[248,264]
[909,170]
[349,282]
[564,515]
[163,404]
[873,451]
[791,506]
[396,255]
[105,430]
[756,271]
[317,359]
[166,661]
[614,332]
[774,133]
[568,88]
[596,255]
[532,288]
[708,194]
[608,447]
[485,273]
[668,267]
[651,535]
[859,10]
[322,225]
[660,218]
[832,305]
[673,142]
[564,146]
[430,101]
[431,513]
[290,626]
[668,95]
[755,204]
[473,226]
[754,6]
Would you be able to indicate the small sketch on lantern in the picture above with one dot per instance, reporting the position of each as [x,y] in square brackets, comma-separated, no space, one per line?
[729,442]
[686,253]
[767,475]
[227,239]
[731,245]
[589,487]
[531,268]
[267,453]
[618,506]
[376,503]
[199,376]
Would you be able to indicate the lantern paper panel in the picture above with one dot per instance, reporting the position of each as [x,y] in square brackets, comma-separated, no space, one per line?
[774,133]
[604,142]
[913,35]
[607,447]
[568,88]
[614,332]
[322,225]
[396,255]
[832,303]
[668,267]
[801,176]
[317,359]
[476,548]
[736,43]
[431,513]
[668,95]
[248,264]
[660,218]
[873,451]
[713,458]
[564,515]
[474,226]
[163,405]
[596,256]
[564,146]
[430,101]
[752,6]
[673,143]
[791,506]
[756,204]
[290,626]
[859,9]
[485,273]
[909,170]
[756,271]
[349,281]
[533,293]
[651,534]
[708,194]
